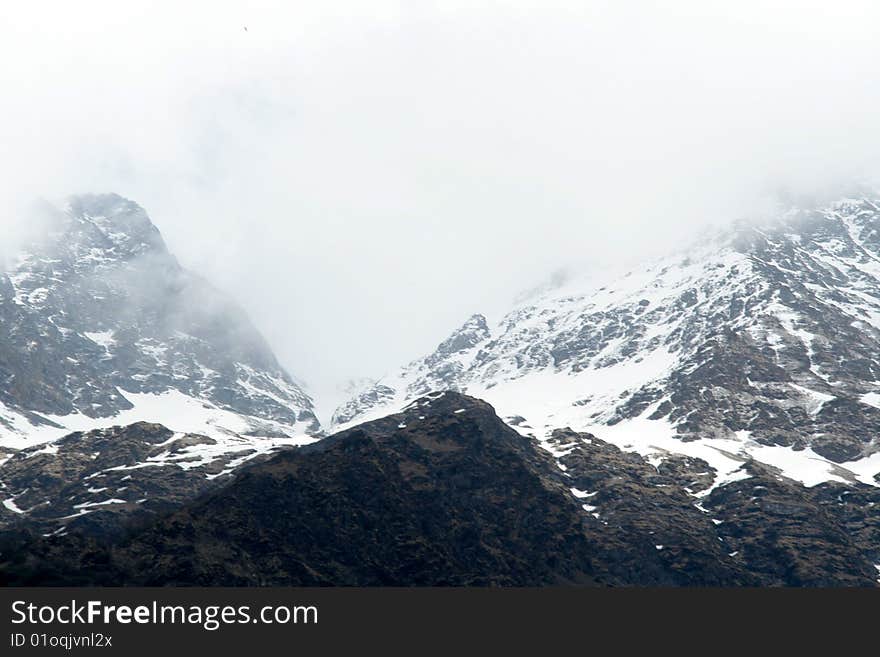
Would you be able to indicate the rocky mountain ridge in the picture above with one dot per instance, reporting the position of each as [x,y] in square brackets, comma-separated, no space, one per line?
[710,419]
[445,493]
[761,343]
[103,334]
[97,312]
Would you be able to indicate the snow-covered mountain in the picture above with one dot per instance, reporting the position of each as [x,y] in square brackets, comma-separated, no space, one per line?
[669,403]
[100,326]
[761,342]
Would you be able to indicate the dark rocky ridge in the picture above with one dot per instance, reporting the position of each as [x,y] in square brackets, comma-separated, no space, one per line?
[450,499]
[767,529]
[445,493]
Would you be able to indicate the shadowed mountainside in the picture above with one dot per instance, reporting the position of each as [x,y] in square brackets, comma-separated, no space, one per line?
[445,493]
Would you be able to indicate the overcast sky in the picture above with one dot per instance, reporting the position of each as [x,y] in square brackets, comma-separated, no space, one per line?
[362,176]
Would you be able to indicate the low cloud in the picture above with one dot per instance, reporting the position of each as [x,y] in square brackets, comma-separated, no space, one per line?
[363,176]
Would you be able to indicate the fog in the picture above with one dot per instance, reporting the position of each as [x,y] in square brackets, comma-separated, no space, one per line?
[363,176]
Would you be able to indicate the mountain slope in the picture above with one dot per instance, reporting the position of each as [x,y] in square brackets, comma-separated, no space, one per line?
[101,480]
[458,499]
[759,343]
[444,493]
[100,327]
[97,313]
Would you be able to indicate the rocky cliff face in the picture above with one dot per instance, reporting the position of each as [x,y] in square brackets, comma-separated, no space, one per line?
[97,313]
[760,528]
[100,327]
[756,343]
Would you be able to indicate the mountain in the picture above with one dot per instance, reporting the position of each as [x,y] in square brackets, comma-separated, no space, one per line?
[101,328]
[761,529]
[709,419]
[445,493]
[761,343]
[99,481]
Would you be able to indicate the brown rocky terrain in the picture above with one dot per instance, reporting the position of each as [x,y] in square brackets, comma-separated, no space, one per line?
[445,493]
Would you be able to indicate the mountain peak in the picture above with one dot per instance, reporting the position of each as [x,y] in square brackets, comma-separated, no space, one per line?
[113,224]
[468,335]
[102,204]
[99,321]
[761,343]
